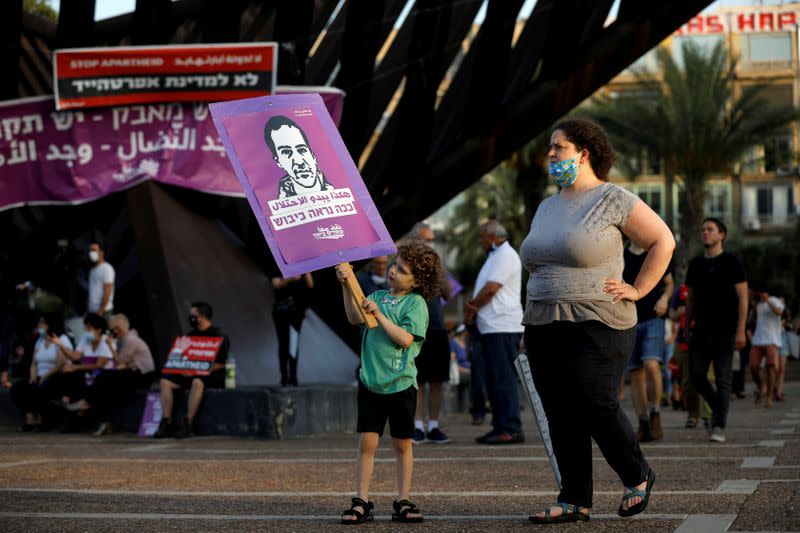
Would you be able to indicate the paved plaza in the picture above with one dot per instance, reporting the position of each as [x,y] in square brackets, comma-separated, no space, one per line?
[58,482]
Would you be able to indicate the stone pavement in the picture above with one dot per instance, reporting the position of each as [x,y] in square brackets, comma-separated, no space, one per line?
[72,482]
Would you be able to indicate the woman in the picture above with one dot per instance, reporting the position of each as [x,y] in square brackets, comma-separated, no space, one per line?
[89,357]
[49,353]
[288,312]
[580,318]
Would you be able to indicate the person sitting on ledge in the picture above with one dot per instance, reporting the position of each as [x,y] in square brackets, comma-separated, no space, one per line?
[200,317]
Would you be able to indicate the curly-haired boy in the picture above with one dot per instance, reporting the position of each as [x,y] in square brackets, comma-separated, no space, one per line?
[388,377]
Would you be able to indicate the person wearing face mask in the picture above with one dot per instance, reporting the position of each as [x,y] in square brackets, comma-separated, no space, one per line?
[580,317]
[101,282]
[496,312]
[200,316]
[84,363]
[30,395]
[133,369]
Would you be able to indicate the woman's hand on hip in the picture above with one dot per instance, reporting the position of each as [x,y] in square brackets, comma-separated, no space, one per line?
[619,290]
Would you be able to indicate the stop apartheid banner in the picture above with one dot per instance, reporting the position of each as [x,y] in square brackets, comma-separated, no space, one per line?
[192,356]
[93,77]
[301,182]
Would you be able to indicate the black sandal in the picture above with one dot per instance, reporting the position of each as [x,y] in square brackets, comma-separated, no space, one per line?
[634,493]
[366,516]
[402,509]
[569,513]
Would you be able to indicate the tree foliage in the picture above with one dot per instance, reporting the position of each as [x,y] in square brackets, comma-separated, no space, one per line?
[510,193]
[41,8]
[699,122]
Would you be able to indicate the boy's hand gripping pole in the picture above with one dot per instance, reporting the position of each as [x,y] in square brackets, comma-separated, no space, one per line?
[358,296]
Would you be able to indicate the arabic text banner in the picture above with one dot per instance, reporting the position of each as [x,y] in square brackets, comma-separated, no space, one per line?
[92,77]
[50,157]
[301,182]
[71,157]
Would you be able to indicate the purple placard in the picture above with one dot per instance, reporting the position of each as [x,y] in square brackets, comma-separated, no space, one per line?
[72,157]
[151,416]
[455,286]
[309,198]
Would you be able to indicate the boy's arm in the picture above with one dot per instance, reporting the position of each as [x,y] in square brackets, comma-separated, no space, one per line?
[350,309]
[398,335]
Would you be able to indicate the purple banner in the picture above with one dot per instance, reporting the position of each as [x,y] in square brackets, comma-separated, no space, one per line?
[151,416]
[71,157]
[301,182]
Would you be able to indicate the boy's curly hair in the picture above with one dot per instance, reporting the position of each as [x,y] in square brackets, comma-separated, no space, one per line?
[425,267]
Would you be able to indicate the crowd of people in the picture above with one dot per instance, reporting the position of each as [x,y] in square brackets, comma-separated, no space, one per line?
[595,312]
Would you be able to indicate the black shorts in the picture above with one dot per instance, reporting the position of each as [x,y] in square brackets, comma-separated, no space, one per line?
[375,409]
[215,380]
[433,361]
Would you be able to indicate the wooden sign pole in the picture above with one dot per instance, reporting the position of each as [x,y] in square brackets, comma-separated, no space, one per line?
[358,296]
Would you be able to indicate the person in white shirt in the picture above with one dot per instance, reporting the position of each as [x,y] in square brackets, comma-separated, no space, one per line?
[765,344]
[31,395]
[496,309]
[101,283]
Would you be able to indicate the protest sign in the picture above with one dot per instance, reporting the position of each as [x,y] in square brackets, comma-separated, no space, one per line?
[192,356]
[92,77]
[308,197]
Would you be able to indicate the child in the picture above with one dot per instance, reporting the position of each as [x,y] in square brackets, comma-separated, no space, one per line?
[388,376]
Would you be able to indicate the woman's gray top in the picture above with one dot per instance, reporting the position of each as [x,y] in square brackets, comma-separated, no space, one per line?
[575,245]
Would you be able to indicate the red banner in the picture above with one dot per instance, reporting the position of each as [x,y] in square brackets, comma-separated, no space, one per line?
[93,77]
[192,356]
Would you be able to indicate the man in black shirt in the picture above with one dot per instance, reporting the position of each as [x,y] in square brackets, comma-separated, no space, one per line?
[200,322]
[716,313]
[647,385]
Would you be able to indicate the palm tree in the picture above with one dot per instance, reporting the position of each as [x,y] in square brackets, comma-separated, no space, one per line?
[696,121]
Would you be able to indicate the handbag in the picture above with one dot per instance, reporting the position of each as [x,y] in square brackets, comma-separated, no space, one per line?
[455,375]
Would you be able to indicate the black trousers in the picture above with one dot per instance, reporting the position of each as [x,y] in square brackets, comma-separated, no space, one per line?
[35,397]
[713,348]
[577,367]
[112,387]
[283,321]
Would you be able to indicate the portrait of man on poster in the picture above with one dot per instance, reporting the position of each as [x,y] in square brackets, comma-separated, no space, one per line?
[291,152]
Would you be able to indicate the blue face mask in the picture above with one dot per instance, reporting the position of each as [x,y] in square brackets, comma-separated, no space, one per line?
[42,332]
[89,336]
[564,172]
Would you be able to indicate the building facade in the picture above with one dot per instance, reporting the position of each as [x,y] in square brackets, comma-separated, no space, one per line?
[761,196]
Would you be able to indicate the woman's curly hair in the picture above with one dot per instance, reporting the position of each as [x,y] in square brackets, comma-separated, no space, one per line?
[586,134]
[425,267]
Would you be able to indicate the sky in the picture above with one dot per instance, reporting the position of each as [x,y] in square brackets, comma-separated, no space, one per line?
[111,8]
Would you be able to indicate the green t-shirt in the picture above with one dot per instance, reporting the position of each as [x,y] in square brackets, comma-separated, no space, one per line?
[387,368]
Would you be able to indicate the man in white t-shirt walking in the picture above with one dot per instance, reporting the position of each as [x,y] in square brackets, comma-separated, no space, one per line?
[101,283]
[765,344]
[497,311]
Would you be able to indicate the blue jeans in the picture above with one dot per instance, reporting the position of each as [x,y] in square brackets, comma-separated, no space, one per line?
[499,352]
[649,343]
